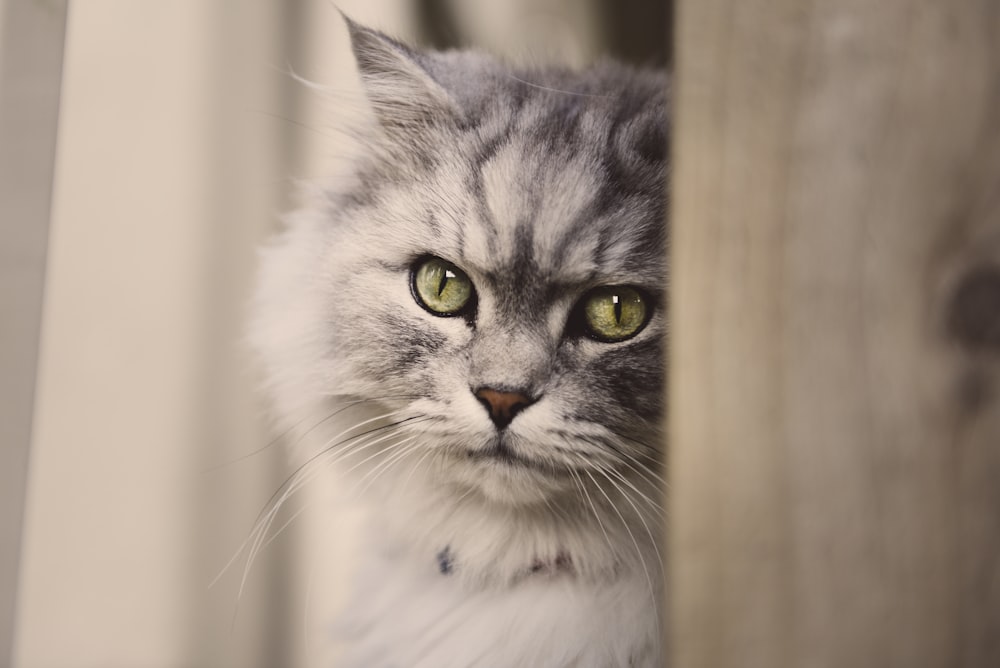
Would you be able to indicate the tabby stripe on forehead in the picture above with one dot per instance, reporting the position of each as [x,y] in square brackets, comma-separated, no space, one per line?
[490,148]
[434,225]
[486,153]
[524,242]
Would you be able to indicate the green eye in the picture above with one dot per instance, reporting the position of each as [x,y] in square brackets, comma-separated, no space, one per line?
[441,287]
[615,313]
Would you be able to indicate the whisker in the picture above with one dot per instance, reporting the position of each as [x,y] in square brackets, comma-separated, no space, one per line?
[635,543]
[309,471]
[287,523]
[277,439]
[643,470]
[306,601]
[413,470]
[305,480]
[642,495]
[351,404]
[392,459]
[593,508]
[639,514]
[556,90]
[310,475]
[648,450]
[333,443]
[302,476]
[272,503]
[294,123]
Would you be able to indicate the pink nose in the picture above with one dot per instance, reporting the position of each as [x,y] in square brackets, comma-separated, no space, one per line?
[502,406]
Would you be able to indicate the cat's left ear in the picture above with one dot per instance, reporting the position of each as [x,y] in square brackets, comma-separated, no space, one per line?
[403,95]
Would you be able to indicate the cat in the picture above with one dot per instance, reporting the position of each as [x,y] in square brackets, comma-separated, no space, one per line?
[471,329]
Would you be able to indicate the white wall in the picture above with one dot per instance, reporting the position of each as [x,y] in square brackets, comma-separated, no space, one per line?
[138,314]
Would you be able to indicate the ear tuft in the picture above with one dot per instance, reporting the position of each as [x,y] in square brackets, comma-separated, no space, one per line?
[399,87]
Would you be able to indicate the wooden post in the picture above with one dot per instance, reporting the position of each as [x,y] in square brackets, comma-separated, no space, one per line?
[835,389]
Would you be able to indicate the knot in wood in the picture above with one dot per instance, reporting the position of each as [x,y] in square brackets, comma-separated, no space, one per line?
[973,318]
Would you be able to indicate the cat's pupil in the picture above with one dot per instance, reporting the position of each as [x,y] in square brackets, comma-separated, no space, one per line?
[447,275]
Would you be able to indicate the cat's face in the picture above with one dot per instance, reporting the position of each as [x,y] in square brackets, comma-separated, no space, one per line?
[498,272]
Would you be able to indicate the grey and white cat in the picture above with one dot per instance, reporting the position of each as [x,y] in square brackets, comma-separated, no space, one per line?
[473,329]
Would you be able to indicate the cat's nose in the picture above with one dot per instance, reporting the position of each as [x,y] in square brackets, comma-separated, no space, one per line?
[502,406]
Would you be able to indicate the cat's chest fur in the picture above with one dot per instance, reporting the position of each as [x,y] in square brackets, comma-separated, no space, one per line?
[411,615]
[412,606]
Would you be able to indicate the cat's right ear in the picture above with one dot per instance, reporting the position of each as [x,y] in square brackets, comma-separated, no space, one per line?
[405,98]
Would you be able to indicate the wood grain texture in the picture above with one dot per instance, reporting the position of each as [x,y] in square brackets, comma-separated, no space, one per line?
[836,334]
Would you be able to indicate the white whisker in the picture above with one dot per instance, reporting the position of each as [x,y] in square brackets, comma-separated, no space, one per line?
[638,513]
[389,462]
[593,509]
[555,90]
[335,450]
[635,543]
[413,470]
[660,510]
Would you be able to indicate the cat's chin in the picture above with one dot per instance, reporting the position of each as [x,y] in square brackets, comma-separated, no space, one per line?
[507,479]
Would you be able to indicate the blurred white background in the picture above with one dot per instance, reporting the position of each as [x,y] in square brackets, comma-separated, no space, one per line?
[181,136]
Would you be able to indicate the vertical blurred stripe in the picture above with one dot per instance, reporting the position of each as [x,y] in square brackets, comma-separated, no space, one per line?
[31,49]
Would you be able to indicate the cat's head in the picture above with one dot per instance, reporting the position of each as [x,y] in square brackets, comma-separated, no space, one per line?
[495,273]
